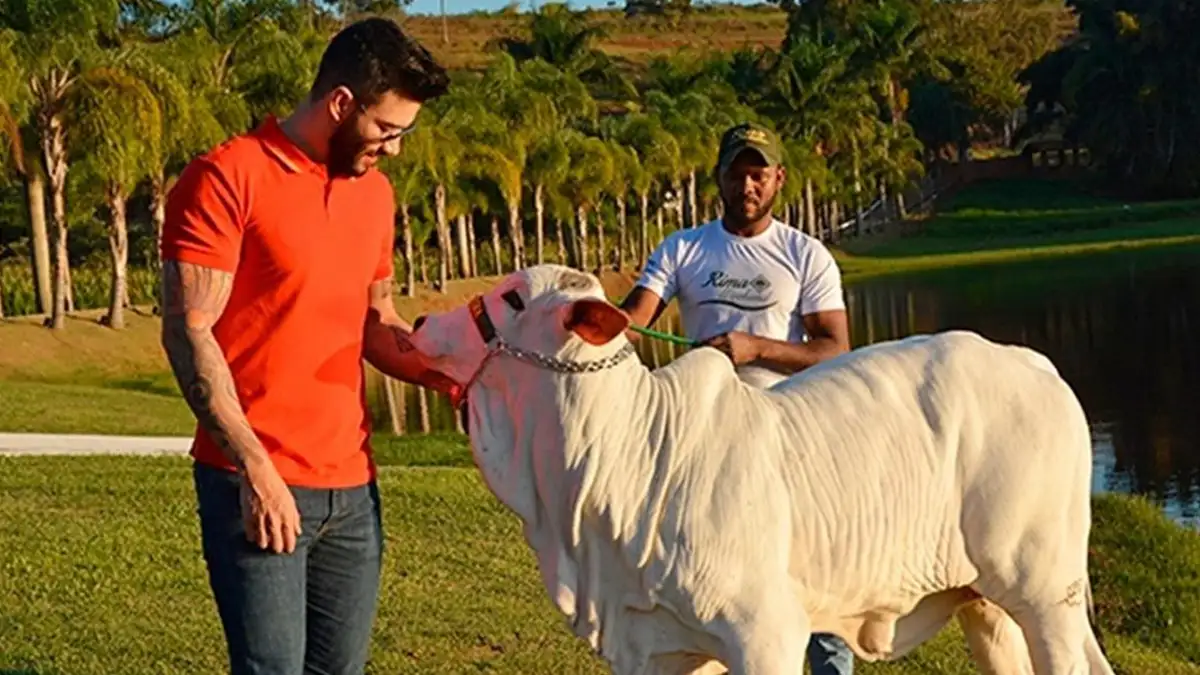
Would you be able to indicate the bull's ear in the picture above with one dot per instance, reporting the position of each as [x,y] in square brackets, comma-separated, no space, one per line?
[596,321]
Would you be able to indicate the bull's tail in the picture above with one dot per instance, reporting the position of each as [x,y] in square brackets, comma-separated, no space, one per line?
[1091,614]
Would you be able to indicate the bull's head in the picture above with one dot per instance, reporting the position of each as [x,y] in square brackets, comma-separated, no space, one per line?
[548,315]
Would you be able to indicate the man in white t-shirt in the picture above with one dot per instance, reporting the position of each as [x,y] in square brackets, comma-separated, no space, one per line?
[767,295]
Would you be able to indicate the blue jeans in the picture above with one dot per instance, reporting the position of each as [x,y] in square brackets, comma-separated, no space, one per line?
[309,612]
[829,655]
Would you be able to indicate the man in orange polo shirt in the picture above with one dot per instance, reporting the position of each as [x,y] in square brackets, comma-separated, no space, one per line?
[277,283]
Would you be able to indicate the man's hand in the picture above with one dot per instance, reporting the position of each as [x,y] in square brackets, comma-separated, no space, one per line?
[269,512]
[741,348]
[418,372]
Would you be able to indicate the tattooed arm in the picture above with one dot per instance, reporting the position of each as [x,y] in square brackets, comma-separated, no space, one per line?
[386,345]
[193,299]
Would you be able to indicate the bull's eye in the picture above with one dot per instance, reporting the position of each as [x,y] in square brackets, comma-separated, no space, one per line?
[513,299]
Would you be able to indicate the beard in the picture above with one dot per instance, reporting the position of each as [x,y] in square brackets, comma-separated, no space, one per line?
[740,213]
[345,148]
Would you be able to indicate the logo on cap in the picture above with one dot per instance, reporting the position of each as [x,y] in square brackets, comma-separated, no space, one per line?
[755,136]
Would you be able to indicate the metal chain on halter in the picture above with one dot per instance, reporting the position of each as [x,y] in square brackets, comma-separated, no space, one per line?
[561,365]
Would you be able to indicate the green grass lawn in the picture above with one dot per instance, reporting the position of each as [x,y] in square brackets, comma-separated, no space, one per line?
[100,565]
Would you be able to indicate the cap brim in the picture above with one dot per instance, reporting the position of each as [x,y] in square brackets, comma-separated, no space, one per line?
[733,154]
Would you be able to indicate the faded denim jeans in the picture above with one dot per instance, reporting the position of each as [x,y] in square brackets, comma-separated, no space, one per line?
[829,655]
[305,613]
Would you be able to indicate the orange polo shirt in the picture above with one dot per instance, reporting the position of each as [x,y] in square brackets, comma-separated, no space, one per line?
[303,250]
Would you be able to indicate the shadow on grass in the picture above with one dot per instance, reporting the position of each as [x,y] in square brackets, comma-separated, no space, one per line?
[158,385]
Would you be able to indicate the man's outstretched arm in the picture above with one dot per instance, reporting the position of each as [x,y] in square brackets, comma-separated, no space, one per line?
[386,344]
[828,336]
[643,306]
[828,333]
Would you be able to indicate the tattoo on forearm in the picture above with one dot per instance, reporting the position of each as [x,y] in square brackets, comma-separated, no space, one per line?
[381,291]
[193,299]
[381,296]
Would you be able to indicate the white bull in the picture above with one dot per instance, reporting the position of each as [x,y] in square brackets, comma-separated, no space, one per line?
[686,522]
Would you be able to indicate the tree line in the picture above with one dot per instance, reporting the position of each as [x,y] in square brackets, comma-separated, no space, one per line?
[555,151]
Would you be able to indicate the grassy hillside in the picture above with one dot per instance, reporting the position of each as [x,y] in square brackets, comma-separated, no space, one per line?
[632,41]
[636,40]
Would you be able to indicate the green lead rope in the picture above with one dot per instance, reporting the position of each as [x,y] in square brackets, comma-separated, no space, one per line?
[665,337]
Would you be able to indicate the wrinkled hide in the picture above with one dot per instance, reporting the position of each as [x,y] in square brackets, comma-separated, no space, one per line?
[680,515]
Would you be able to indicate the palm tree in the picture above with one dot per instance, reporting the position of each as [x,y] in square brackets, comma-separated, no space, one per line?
[659,156]
[19,135]
[411,184]
[58,48]
[564,39]
[121,138]
[589,174]
[546,169]
[188,124]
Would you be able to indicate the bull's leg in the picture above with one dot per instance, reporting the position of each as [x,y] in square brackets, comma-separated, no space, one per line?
[1057,635]
[996,643]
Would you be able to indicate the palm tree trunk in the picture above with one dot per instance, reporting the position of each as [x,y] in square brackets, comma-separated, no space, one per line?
[158,210]
[54,152]
[540,209]
[395,404]
[421,264]
[496,245]
[644,230]
[562,243]
[810,209]
[694,214]
[661,234]
[410,275]
[581,222]
[472,250]
[35,196]
[464,251]
[517,227]
[118,242]
[601,248]
[423,408]
[443,228]
[514,228]
[858,205]
[622,234]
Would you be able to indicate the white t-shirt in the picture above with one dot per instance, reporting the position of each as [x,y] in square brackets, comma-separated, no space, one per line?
[761,285]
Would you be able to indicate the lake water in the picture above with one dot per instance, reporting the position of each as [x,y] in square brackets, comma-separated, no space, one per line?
[1121,327]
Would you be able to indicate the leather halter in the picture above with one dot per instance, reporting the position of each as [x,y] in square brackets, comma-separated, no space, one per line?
[496,345]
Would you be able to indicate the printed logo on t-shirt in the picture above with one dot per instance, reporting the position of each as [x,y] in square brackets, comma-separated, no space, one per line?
[748,294]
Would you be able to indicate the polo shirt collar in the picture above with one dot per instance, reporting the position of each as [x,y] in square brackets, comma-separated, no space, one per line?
[284,149]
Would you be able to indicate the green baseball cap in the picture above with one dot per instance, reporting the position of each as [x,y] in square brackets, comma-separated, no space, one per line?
[749,136]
